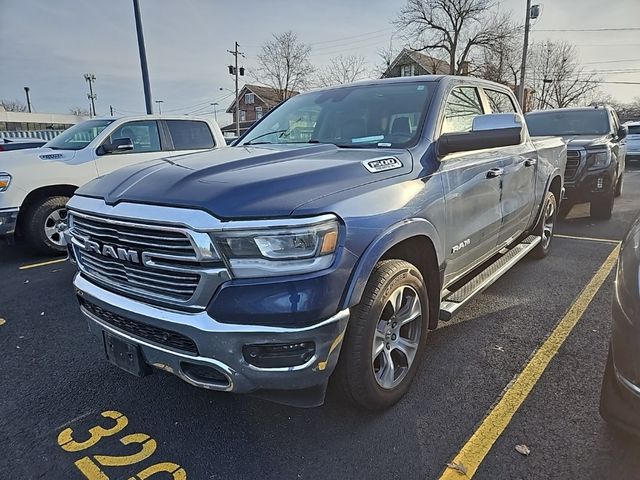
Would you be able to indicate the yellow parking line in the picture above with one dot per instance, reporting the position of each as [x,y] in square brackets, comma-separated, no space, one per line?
[591,239]
[42,264]
[478,446]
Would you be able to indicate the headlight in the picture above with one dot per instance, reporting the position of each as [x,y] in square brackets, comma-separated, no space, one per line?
[5,180]
[267,252]
[599,159]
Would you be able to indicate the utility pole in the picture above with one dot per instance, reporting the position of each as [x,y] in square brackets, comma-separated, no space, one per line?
[143,59]
[523,67]
[159,102]
[233,70]
[26,91]
[111,110]
[90,78]
[215,111]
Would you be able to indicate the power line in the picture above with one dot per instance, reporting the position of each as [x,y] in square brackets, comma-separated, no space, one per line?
[613,61]
[622,29]
[376,32]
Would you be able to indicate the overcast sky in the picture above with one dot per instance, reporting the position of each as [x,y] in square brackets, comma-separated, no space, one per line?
[49,45]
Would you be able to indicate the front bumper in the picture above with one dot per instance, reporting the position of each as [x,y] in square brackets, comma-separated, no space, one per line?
[8,221]
[219,345]
[589,185]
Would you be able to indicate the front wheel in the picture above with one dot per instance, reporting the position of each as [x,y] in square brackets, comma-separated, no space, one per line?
[45,224]
[385,338]
[544,228]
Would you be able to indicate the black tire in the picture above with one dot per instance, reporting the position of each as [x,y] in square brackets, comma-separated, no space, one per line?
[619,186]
[354,378]
[545,226]
[602,207]
[35,225]
[618,407]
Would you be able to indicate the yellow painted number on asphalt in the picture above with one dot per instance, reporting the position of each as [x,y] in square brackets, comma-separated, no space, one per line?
[66,441]
[90,466]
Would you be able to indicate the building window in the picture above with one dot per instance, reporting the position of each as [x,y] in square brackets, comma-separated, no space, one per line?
[258,113]
[249,98]
[243,115]
[406,71]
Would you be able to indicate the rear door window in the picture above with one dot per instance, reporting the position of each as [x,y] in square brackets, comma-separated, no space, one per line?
[463,105]
[499,102]
[190,134]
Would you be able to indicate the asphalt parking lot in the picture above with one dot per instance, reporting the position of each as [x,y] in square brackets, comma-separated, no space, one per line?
[54,378]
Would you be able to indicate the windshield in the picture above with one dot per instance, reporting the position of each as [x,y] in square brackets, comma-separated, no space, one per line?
[577,122]
[358,116]
[78,136]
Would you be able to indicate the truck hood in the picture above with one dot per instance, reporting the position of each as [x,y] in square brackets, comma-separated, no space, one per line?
[19,158]
[585,141]
[248,181]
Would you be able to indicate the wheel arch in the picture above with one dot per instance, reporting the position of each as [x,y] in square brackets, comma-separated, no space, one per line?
[37,195]
[554,185]
[415,241]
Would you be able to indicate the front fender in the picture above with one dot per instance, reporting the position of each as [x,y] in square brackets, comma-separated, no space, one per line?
[395,234]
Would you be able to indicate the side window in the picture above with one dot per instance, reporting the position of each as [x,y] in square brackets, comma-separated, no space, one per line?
[143,134]
[500,102]
[463,105]
[249,98]
[190,134]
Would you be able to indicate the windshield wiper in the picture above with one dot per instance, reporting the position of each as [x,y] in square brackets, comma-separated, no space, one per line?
[253,140]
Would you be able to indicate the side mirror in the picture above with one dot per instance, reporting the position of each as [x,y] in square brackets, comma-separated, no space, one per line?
[623,131]
[488,131]
[117,145]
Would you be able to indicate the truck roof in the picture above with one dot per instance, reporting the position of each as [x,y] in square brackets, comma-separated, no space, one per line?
[570,109]
[155,117]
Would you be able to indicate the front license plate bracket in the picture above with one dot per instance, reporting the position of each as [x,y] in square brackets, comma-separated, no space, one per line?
[125,355]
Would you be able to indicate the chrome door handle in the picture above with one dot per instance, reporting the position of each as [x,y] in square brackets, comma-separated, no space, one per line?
[495,172]
[530,162]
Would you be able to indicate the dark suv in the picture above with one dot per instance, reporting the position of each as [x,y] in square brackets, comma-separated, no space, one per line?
[595,157]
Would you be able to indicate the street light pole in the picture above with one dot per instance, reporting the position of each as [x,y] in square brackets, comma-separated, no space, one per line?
[523,67]
[235,72]
[143,58]
[90,78]
[26,91]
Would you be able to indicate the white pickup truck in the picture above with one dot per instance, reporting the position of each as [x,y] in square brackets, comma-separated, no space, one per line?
[35,184]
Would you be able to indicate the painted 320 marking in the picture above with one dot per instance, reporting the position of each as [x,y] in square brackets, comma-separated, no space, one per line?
[90,465]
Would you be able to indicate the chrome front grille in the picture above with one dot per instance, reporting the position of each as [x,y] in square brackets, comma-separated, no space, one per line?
[573,164]
[164,265]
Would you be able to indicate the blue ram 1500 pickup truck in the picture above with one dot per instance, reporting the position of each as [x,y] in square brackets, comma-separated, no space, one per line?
[327,242]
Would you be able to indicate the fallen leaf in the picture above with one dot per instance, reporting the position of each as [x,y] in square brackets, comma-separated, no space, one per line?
[523,449]
[458,467]
[2,321]
[498,348]
[26,281]
[42,314]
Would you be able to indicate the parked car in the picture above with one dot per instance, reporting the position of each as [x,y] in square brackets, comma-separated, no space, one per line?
[633,141]
[620,398]
[9,144]
[595,156]
[265,266]
[35,185]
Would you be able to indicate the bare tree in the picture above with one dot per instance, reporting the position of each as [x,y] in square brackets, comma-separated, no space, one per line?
[387,56]
[342,69]
[13,105]
[79,111]
[557,78]
[454,29]
[501,63]
[283,64]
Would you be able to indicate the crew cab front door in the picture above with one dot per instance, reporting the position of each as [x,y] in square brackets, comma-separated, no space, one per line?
[472,186]
[518,177]
[144,135]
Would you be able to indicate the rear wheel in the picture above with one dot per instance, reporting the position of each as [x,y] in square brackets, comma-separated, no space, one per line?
[45,223]
[545,226]
[385,338]
[602,207]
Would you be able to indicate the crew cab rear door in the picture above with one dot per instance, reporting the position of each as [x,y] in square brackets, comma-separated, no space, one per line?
[519,173]
[472,189]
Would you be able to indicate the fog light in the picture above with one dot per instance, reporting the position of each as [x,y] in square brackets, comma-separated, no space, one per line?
[600,183]
[278,355]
